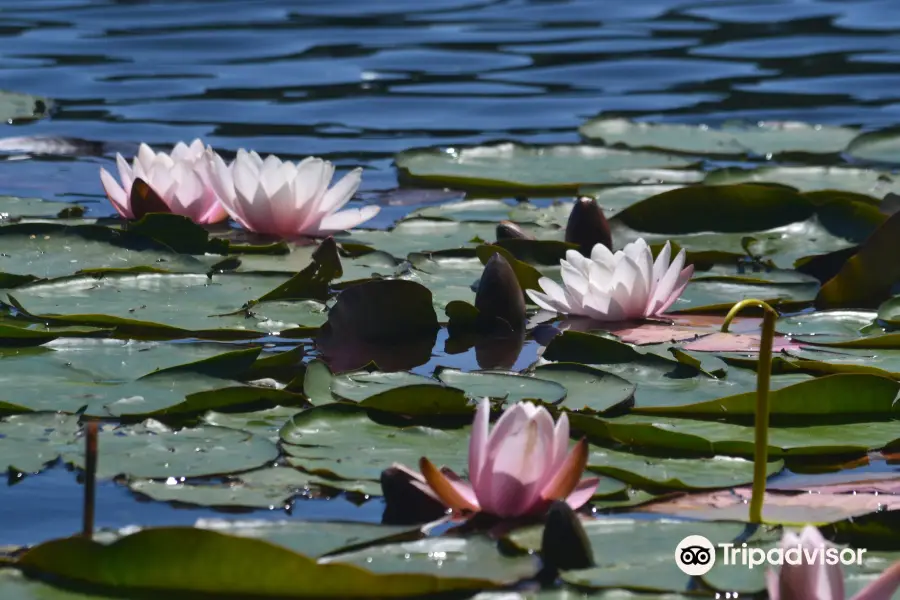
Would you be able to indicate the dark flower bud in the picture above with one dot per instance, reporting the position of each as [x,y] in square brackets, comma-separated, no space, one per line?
[588,226]
[565,544]
[499,296]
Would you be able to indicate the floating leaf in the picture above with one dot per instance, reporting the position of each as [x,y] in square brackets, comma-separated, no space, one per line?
[867,277]
[195,561]
[15,106]
[151,450]
[834,398]
[764,138]
[520,168]
[727,208]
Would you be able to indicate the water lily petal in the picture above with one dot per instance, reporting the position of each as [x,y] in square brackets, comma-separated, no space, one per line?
[583,492]
[882,588]
[347,219]
[126,174]
[683,280]
[145,157]
[478,441]
[665,285]
[567,477]
[554,297]
[445,491]
[339,195]
[463,488]
[516,470]
[560,442]
[117,196]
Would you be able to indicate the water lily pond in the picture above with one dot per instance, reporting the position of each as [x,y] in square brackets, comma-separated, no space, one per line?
[485,345]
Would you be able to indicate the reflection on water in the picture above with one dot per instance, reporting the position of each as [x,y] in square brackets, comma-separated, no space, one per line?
[358,81]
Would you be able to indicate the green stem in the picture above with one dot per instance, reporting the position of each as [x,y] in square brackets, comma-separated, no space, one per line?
[761,425]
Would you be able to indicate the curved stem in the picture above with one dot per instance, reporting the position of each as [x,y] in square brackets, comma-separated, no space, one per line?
[761,425]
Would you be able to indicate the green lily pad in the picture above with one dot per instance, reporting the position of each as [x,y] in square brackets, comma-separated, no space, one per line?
[510,386]
[191,302]
[669,474]
[420,235]
[15,106]
[12,207]
[269,488]
[627,550]
[15,586]
[588,389]
[104,376]
[28,442]
[807,179]
[343,443]
[727,208]
[153,451]
[706,292]
[188,561]
[264,423]
[867,278]
[520,168]
[473,556]
[680,436]
[62,252]
[740,139]
[880,146]
[486,210]
[834,398]
[359,385]
[618,198]
[313,538]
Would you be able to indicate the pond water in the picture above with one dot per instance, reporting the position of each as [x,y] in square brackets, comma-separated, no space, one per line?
[357,82]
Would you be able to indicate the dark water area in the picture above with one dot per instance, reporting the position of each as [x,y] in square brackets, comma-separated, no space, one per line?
[355,82]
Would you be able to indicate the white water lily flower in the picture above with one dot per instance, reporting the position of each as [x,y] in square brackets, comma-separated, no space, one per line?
[180,179]
[284,199]
[616,287]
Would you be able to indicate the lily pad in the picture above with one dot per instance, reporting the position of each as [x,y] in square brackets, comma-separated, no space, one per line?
[735,139]
[486,210]
[153,451]
[510,386]
[626,550]
[343,443]
[834,398]
[520,168]
[589,389]
[29,442]
[178,561]
[669,474]
[726,208]
[15,106]
[807,179]
[191,302]
[269,488]
[312,538]
[473,556]
[679,436]
[878,146]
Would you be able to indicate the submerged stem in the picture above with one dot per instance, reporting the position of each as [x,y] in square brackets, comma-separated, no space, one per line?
[761,424]
[90,478]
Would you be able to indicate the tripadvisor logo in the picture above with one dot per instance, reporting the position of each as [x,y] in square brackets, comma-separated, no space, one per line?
[695,555]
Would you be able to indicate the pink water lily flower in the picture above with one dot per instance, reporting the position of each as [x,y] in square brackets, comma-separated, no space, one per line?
[818,580]
[284,199]
[180,179]
[516,470]
[616,287]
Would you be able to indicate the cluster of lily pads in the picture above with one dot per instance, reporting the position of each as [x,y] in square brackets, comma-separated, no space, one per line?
[234,371]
